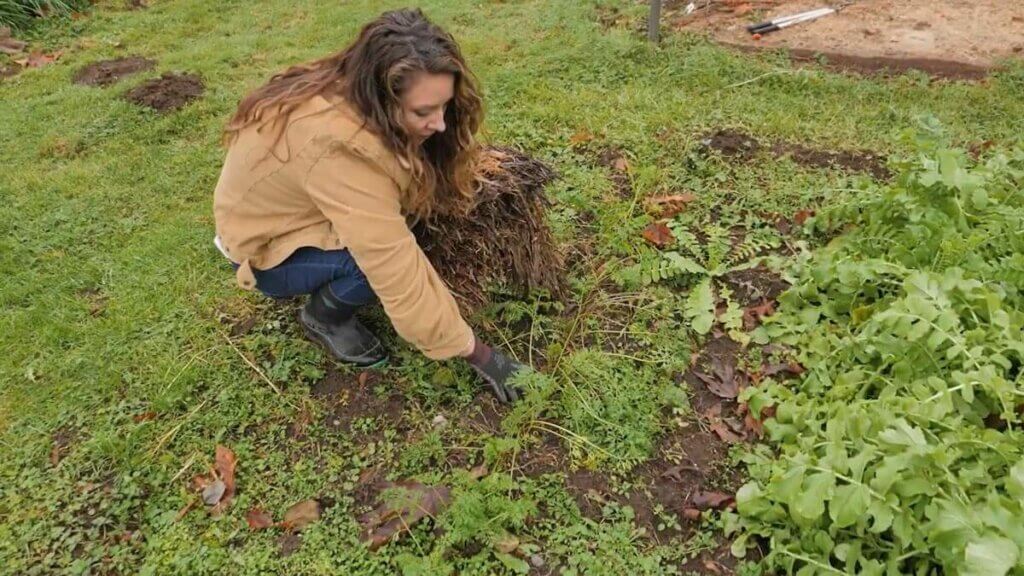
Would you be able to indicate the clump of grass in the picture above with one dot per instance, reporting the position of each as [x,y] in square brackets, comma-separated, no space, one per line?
[19,14]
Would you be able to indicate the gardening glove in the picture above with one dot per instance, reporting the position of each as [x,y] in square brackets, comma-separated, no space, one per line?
[496,370]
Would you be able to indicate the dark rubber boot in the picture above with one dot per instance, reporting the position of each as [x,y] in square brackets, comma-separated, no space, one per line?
[333,324]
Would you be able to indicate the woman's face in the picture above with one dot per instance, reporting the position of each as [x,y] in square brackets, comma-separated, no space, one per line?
[424,103]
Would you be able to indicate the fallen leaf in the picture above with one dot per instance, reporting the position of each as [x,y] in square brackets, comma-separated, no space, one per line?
[711,500]
[658,234]
[144,417]
[669,206]
[802,216]
[752,315]
[478,472]
[724,383]
[55,454]
[691,514]
[725,433]
[364,376]
[301,515]
[712,567]
[621,164]
[792,367]
[39,59]
[581,137]
[258,519]
[391,518]
[224,464]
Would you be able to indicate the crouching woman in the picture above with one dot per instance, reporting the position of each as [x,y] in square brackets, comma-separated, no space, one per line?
[328,161]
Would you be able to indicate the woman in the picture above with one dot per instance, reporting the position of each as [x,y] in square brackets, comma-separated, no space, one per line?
[325,164]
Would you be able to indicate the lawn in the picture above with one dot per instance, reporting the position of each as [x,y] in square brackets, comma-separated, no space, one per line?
[127,353]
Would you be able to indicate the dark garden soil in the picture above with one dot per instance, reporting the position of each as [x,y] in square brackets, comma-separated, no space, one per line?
[753,286]
[351,397]
[740,146]
[168,92]
[107,72]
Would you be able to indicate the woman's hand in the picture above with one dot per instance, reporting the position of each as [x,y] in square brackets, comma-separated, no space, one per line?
[496,370]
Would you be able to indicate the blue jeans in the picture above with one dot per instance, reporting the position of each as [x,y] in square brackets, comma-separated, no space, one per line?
[308,269]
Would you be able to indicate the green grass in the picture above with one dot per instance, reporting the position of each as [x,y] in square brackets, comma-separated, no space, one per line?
[115,302]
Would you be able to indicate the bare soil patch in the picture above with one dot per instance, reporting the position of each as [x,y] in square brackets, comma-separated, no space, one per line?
[943,38]
[108,72]
[755,285]
[738,145]
[168,92]
[351,397]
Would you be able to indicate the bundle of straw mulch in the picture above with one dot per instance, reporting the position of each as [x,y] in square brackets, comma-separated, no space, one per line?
[504,240]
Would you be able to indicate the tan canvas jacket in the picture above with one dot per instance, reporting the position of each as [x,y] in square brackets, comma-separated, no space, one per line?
[332,184]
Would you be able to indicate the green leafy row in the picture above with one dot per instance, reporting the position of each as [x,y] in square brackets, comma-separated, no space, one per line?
[900,450]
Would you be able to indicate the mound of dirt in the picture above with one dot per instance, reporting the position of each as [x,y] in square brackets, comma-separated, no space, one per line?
[504,240]
[168,92]
[107,72]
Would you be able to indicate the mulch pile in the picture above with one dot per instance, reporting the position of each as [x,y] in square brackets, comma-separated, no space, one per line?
[505,239]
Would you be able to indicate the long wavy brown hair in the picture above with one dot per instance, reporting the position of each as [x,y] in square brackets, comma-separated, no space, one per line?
[371,74]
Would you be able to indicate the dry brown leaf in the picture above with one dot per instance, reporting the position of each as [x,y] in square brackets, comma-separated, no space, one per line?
[364,376]
[791,367]
[621,164]
[752,315]
[722,430]
[581,137]
[691,514]
[144,417]
[478,472]
[55,454]
[669,206]
[711,500]
[301,515]
[391,518]
[658,234]
[258,519]
[224,462]
[802,216]
[39,59]
[724,382]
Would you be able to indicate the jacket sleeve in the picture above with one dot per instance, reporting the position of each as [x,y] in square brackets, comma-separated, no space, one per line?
[363,204]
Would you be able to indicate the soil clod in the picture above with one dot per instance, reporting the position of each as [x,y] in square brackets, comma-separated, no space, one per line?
[168,92]
[108,72]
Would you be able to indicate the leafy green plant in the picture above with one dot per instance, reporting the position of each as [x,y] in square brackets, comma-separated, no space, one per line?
[703,253]
[900,450]
[487,514]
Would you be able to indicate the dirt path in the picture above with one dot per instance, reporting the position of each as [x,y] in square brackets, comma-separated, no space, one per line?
[948,38]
